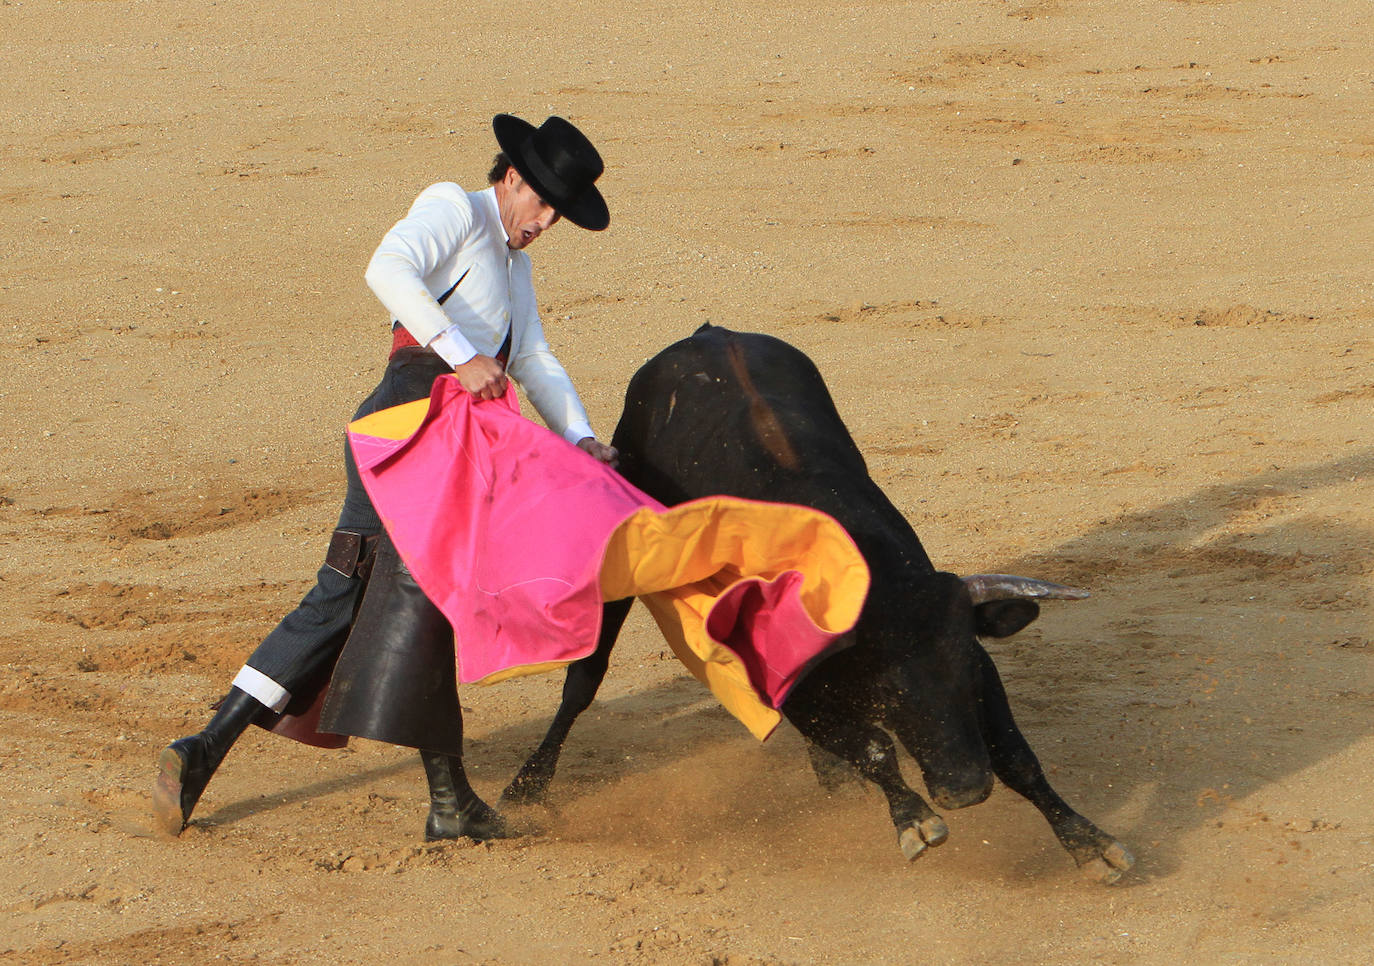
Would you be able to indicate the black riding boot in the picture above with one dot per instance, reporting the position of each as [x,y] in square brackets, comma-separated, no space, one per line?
[454,808]
[185,766]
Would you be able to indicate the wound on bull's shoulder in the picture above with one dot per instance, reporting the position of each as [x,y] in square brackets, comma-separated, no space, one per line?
[767,426]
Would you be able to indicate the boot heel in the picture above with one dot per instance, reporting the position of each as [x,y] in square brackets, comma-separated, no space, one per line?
[443,825]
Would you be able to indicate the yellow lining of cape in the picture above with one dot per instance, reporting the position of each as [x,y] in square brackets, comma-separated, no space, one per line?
[520,670]
[395,422]
[681,560]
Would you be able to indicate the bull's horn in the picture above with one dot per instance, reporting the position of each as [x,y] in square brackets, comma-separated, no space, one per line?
[988,587]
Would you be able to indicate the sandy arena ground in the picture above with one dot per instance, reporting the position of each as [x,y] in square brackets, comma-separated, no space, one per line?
[1090,280]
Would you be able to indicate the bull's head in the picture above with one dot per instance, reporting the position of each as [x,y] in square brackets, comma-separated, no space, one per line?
[941,712]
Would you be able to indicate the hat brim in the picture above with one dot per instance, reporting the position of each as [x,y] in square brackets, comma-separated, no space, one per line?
[587,210]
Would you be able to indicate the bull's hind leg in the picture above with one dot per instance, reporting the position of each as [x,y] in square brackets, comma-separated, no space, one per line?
[832,771]
[870,751]
[1098,855]
[531,783]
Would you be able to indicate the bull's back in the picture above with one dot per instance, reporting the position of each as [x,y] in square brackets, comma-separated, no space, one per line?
[733,412]
[746,414]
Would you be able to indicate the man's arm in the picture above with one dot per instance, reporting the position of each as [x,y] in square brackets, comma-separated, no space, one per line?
[536,368]
[417,246]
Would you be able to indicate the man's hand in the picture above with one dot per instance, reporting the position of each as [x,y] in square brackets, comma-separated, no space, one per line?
[482,376]
[606,454]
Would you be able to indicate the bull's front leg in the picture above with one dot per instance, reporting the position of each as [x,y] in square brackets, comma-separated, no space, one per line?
[530,785]
[870,751]
[1098,855]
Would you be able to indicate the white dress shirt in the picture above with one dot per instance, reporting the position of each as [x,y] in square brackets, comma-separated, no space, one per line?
[451,234]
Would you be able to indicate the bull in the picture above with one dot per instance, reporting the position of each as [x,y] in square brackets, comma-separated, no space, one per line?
[748,415]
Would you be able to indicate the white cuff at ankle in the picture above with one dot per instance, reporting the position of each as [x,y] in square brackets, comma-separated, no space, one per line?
[260,686]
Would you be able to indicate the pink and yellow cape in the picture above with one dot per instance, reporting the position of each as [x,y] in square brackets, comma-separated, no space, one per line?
[518,537]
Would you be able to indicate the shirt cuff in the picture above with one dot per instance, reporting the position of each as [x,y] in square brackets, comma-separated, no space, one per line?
[577,432]
[453,347]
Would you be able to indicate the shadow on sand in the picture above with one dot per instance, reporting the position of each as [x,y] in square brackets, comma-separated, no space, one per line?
[1225,648]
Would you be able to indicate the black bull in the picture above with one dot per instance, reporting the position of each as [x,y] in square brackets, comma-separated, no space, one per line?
[749,415]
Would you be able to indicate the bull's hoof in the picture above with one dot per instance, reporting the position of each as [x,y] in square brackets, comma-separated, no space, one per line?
[525,790]
[480,826]
[915,839]
[1099,856]
[1108,865]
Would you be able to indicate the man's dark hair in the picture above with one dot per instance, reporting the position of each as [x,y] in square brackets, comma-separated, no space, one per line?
[499,168]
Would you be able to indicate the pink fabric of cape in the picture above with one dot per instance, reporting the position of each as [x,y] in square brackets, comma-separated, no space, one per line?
[505,525]
[501,522]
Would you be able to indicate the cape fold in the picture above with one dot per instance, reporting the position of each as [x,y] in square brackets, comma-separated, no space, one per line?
[518,536]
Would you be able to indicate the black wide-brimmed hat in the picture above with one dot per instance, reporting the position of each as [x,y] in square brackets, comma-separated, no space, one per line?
[559,163]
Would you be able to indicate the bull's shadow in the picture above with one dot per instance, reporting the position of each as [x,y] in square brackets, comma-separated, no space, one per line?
[1156,702]
[1226,647]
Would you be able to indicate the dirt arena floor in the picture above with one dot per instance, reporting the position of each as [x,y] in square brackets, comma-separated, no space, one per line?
[1091,283]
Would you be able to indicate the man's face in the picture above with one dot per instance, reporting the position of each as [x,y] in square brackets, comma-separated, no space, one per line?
[524,214]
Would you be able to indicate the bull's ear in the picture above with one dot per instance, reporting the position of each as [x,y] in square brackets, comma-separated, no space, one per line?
[1003,618]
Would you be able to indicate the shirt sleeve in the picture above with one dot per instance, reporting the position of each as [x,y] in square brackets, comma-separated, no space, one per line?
[415,248]
[538,370]
[548,387]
